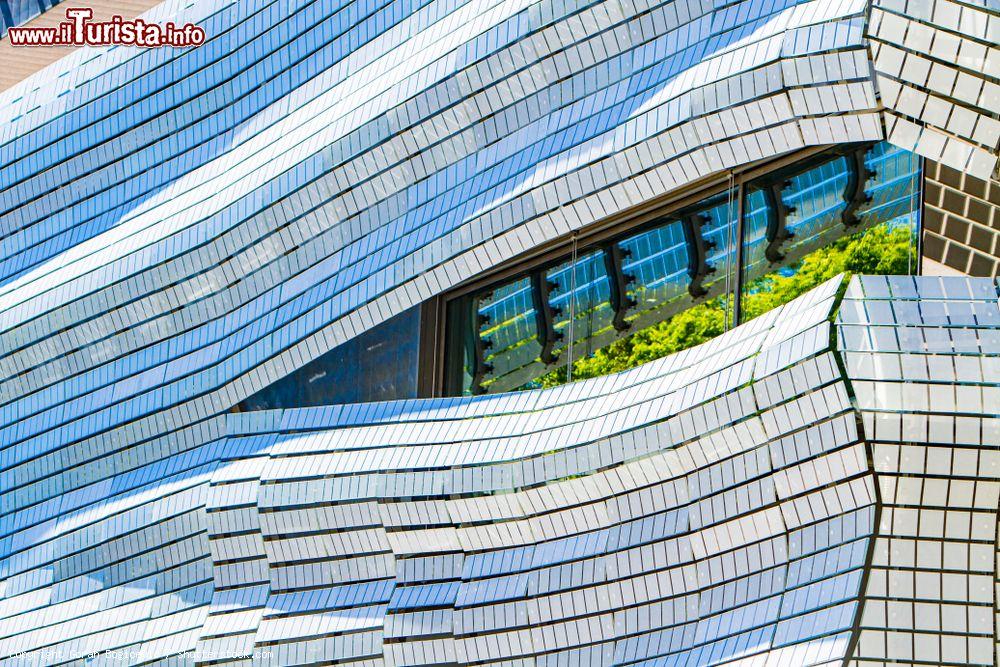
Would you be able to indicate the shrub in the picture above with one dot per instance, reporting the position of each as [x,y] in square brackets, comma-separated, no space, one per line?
[883,249]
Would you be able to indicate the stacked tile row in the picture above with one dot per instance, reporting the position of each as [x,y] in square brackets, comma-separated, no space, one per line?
[937,66]
[721,510]
[961,220]
[923,356]
[180,228]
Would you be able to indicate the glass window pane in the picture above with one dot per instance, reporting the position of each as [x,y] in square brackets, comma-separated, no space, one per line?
[582,292]
[893,185]
[460,348]
[757,215]
[379,365]
[508,330]
[720,236]
[845,210]
[814,201]
[827,236]
[719,232]
[657,264]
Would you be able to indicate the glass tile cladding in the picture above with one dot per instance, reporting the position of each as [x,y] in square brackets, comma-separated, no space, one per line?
[182,228]
[777,495]
[17,13]
[924,357]
[514,334]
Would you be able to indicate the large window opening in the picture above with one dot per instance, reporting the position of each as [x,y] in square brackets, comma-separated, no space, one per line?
[757,242]
[623,293]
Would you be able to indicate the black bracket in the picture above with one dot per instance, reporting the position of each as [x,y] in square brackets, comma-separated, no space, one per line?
[698,247]
[777,221]
[541,288]
[854,192]
[618,282]
[480,368]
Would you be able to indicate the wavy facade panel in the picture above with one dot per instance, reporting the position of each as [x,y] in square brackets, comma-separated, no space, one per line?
[766,498]
[769,497]
[544,528]
[181,228]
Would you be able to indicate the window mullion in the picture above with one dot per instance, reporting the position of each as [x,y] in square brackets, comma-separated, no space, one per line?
[740,259]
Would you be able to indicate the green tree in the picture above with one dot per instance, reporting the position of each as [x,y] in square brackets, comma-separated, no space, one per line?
[884,250]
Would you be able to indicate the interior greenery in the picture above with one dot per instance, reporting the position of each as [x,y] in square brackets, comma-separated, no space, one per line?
[885,249]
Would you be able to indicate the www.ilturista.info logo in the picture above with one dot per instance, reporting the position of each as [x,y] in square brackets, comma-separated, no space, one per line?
[79,30]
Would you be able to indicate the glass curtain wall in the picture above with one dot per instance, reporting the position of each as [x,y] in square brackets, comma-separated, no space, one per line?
[544,326]
[859,207]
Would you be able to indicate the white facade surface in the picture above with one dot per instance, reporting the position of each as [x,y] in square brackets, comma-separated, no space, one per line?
[180,228]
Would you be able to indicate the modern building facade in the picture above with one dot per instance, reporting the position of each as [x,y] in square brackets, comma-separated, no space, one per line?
[288,323]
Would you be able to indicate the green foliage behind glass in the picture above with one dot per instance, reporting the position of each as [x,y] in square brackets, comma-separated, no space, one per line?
[881,250]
